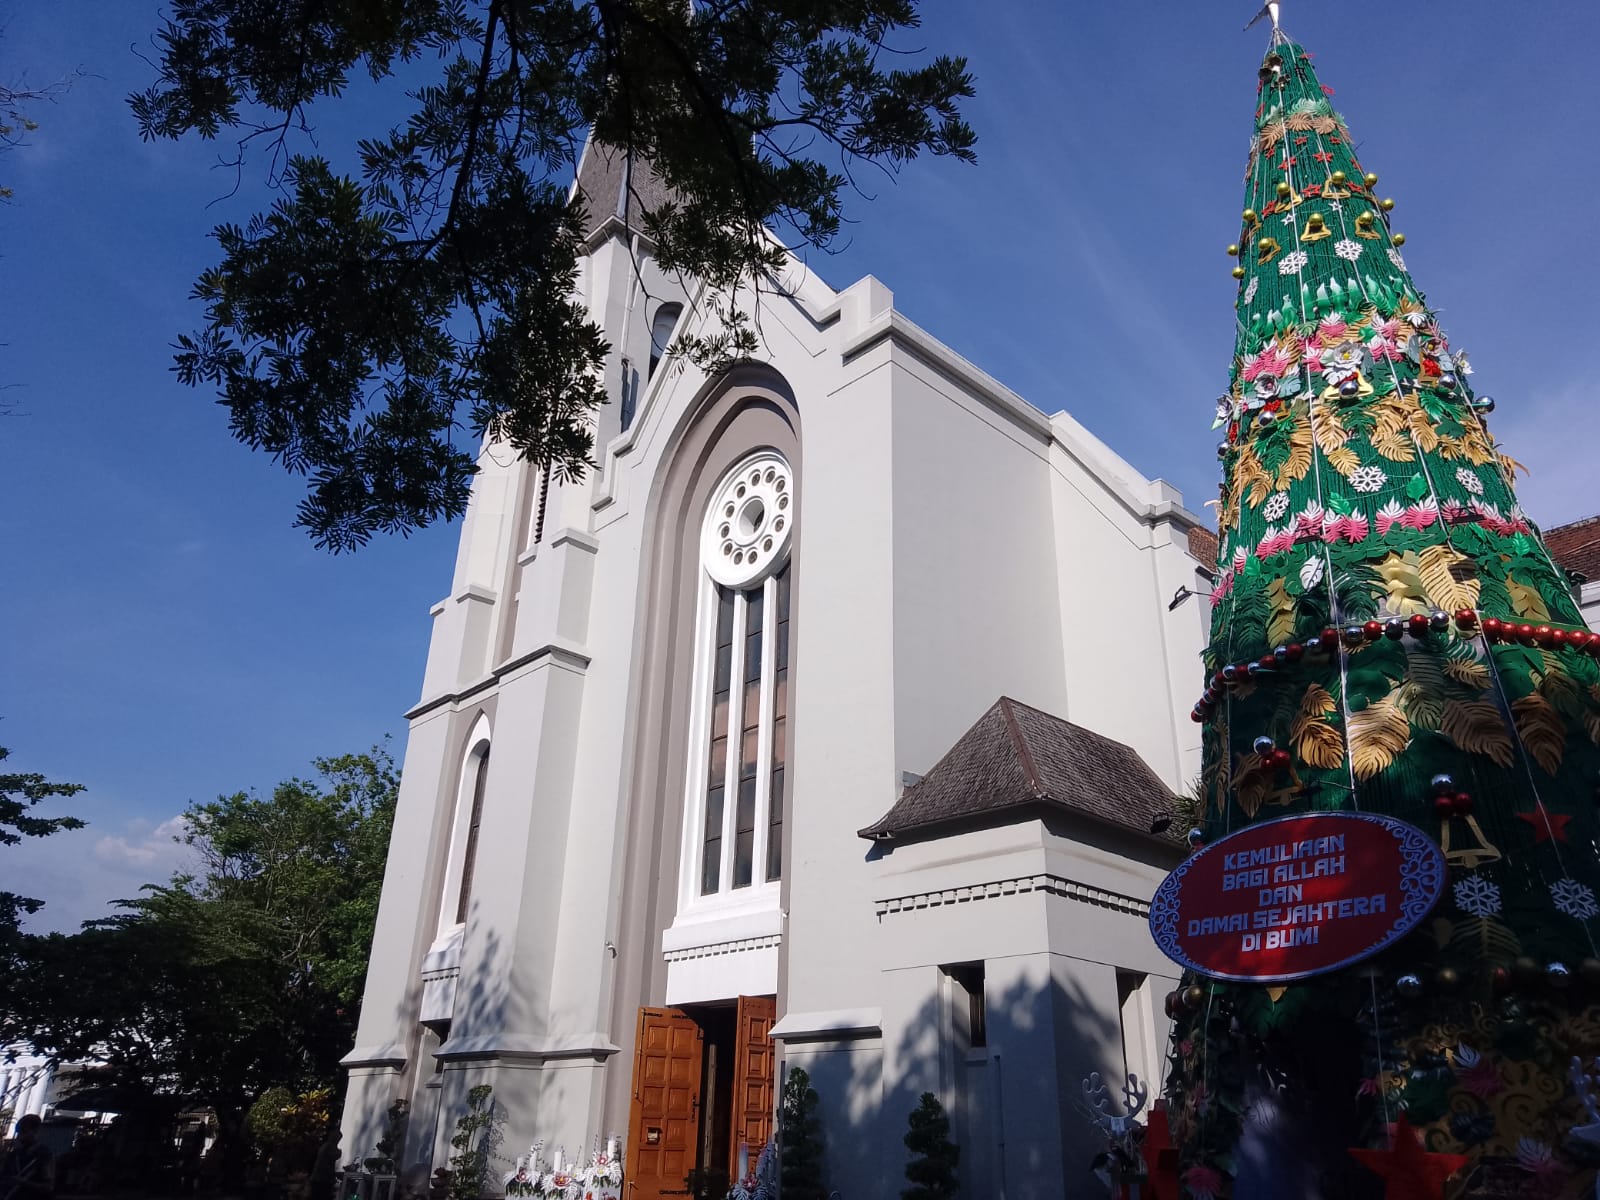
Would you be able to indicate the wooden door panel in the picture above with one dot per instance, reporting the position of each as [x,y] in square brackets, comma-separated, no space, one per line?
[666,1102]
[753,1065]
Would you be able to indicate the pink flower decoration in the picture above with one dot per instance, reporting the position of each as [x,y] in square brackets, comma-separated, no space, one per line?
[1387,516]
[1331,331]
[1367,1087]
[1481,1079]
[1203,1182]
[1354,528]
[1271,361]
[1308,524]
[1454,512]
[1421,515]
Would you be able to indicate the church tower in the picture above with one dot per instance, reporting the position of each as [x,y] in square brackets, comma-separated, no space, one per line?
[1389,635]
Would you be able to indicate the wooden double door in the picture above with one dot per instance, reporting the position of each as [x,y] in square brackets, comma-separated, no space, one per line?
[702,1087]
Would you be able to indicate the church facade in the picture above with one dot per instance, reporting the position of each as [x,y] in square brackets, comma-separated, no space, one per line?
[831,722]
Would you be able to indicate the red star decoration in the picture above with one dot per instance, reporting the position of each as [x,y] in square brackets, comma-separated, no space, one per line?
[1301,140]
[1546,824]
[1408,1171]
[1323,156]
[1286,164]
[1272,207]
[1311,191]
[1333,141]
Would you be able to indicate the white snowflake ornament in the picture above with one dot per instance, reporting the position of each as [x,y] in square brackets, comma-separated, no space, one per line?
[1574,898]
[1368,479]
[1276,506]
[1394,257]
[1250,288]
[1477,897]
[1348,249]
[1468,478]
[1292,263]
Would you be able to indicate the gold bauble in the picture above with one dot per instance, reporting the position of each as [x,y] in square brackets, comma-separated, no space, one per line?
[1250,217]
[1399,239]
[1233,250]
[1386,204]
[1447,979]
[1194,996]
[1238,272]
[1370,179]
[1283,188]
[1316,221]
[1264,245]
[1337,177]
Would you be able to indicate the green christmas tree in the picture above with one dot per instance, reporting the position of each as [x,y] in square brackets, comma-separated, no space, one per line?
[1389,635]
[932,1169]
[800,1139]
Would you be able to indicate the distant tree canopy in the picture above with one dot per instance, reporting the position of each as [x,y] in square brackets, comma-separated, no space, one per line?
[366,321]
[246,974]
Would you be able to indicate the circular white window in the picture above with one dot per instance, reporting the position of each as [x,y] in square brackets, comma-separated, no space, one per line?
[747,528]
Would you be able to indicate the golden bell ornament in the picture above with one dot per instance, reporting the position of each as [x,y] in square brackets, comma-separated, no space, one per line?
[1238,272]
[1370,179]
[1264,244]
[1283,188]
[1268,250]
[1233,250]
[1364,226]
[1250,217]
[1337,177]
[1386,203]
[1316,229]
[1399,239]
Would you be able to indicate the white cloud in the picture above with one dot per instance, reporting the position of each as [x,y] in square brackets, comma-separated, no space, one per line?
[79,874]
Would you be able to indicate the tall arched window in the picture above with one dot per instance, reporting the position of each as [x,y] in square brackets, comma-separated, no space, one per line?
[455,897]
[661,328]
[736,780]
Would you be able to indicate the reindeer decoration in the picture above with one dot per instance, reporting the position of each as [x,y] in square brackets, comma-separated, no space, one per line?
[1120,1166]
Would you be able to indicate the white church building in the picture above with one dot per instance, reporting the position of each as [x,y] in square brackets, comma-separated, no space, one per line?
[799,733]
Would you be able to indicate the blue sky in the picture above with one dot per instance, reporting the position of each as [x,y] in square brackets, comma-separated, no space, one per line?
[168,636]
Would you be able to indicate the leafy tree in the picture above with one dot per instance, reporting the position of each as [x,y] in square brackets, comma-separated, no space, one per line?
[800,1144]
[241,977]
[354,329]
[932,1169]
[472,1142]
[20,794]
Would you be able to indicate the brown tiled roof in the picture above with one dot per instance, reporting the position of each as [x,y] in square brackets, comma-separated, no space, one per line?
[1577,546]
[1203,546]
[1018,757]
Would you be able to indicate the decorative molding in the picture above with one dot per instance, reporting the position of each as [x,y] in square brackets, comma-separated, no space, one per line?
[391,1056]
[716,949]
[570,656]
[512,1047]
[834,1025]
[1054,885]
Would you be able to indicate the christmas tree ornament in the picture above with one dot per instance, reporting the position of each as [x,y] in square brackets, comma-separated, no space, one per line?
[1237,272]
[1557,974]
[1370,180]
[1197,838]
[1337,177]
[1483,404]
[1444,807]
[1366,226]
[1547,826]
[1409,986]
[1479,852]
[1251,217]
[1194,996]
[1443,784]
[1386,204]
[1399,239]
[1372,630]
[1283,189]
[1466,618]
[1439,621]
[1447,979]
[1461,803]
[1395,628]
[1264,745]
[1316,229]
[1233,249]
[1266,250]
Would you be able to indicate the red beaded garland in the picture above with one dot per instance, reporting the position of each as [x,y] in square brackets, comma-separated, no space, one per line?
[1444,806]
[1466,618]
[1461,803]
[1373,630]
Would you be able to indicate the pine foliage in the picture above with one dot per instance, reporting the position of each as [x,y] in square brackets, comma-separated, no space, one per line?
[932,1169]
[801,1134]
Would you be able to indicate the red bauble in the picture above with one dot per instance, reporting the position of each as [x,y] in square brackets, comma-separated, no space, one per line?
[1461,803]
[1466,618]
[1500,979]
[1592,643]
[1492,628]
[1444,806]
[1294,651]
[1558,638]
[1330,639]
[1373,630]
[1545,636]
[1525,634]
[1280,759]
[1268,662]
[1418,625]
[1196,715]
[1217,680]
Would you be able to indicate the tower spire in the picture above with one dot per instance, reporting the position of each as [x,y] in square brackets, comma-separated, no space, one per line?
[1389,636]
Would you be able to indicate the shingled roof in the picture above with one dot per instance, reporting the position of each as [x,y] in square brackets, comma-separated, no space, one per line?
[1577,547]
[1017,757]
[612,187]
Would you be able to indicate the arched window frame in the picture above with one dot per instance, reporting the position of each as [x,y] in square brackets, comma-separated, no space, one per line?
[662,326]
[771,585]
[471,785]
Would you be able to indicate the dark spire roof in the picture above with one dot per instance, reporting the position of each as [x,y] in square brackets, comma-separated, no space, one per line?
[1017,757]
[610,189]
